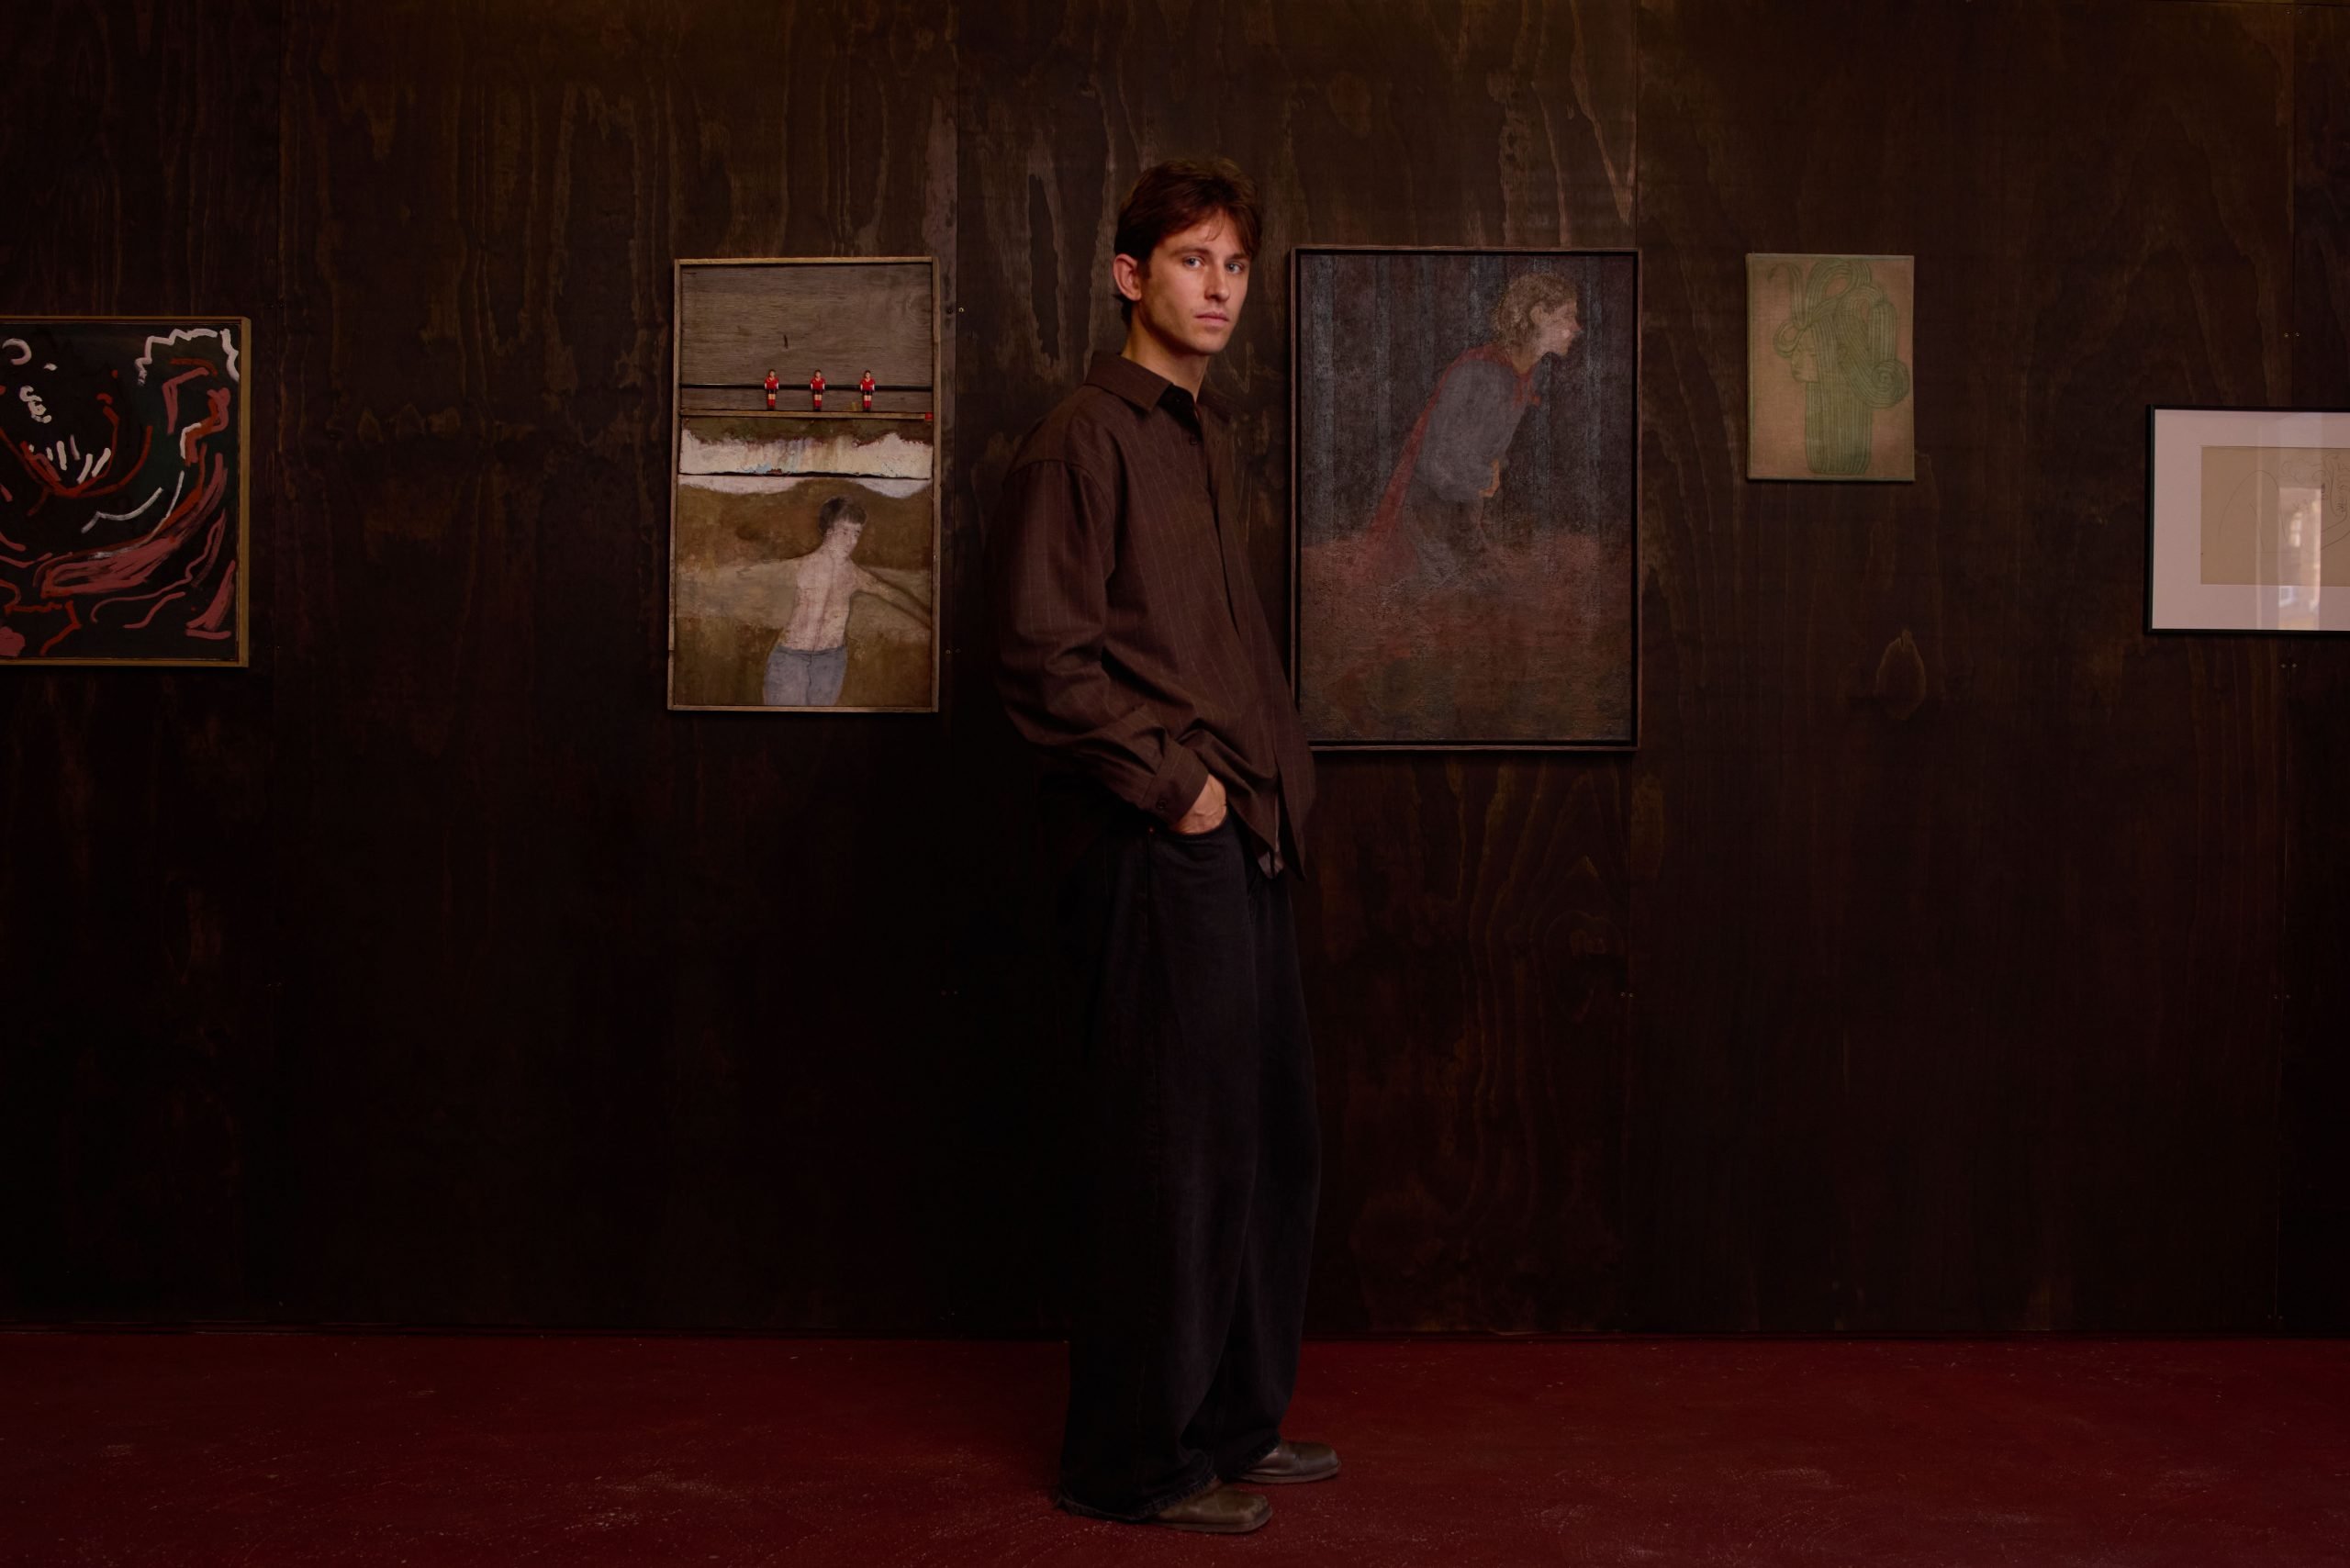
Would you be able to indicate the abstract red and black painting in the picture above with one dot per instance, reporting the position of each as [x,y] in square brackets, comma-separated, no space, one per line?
[122,497]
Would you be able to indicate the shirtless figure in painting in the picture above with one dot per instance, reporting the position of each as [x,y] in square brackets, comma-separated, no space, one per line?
[811,659]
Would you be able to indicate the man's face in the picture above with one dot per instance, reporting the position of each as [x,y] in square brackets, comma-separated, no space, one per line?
[844,536]
[1188,297]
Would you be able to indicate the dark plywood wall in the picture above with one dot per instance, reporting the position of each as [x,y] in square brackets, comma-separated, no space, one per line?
[1951,955]
[605,1008]
[139,892]
[2313,1239]
[1949,858]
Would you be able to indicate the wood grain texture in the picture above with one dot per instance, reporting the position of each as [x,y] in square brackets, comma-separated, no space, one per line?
[2313,1227]
[1922,969]
[1879,934]
[138,902]
[2321,101]
[590,982]
[742,321]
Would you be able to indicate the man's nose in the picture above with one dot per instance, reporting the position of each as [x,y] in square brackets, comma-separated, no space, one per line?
[1218,285]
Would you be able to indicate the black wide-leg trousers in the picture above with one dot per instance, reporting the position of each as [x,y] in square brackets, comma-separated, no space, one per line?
[1197,1166]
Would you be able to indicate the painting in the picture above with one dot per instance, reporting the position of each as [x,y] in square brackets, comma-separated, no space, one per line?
[1466,456]
[1829,367]
[2248,519]
[804,524]
[122,499]
[802,563]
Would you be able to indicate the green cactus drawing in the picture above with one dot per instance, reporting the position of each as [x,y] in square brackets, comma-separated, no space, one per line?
[1838,339]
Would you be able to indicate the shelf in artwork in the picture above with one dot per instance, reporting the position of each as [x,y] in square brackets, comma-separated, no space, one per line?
[901,416]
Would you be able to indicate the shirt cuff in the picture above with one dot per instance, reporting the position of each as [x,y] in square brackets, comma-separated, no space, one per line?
[1178,783]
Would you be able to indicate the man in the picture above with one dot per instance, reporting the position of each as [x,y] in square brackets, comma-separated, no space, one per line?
[811,659]
[1132,651]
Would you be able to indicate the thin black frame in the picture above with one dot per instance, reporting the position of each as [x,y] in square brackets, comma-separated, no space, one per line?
[2147,625]
[1296,531]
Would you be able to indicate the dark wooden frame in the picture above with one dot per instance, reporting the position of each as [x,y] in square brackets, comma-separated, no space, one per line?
[245,642]
[2147,625]
[937,412]
[1296,530]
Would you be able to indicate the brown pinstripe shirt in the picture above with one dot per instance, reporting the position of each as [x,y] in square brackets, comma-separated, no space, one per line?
[1130,644]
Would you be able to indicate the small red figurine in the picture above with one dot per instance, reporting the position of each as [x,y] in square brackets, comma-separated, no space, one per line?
[816,389]
[773,386]
[865,385]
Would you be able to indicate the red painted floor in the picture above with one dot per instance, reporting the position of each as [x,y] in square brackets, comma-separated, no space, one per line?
[271,1449]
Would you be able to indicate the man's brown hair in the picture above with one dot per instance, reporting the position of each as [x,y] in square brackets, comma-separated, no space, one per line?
[1171,197]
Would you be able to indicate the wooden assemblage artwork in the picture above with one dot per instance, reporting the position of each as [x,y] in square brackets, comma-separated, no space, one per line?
[1467,446]
[804,534]
[1828,367]
[2248,519]
[122,500]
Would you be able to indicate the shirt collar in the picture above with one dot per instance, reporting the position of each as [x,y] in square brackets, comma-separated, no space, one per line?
[1145,389]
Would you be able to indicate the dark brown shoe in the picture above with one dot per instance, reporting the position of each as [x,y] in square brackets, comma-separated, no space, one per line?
[1220,1510]
[1293,1462]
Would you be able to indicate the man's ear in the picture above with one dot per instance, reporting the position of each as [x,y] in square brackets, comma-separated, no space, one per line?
[1126,273]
